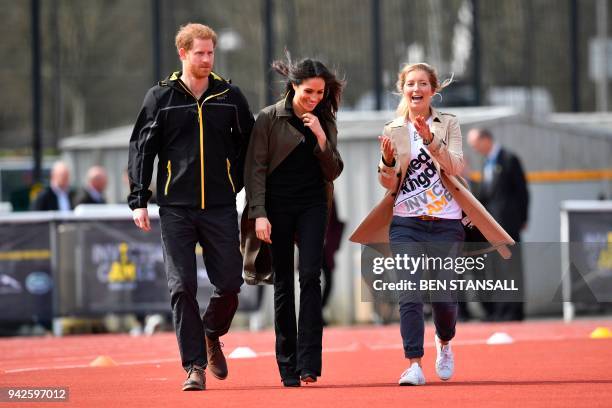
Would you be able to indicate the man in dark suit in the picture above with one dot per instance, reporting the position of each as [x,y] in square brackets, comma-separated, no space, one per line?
[57,196]
[93,192]
[503,192]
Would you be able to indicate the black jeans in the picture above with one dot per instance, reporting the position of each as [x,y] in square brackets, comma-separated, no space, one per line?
[216,230]
[407,230]
[298,348]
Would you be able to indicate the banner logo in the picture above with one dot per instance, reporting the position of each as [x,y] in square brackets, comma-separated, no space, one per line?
[38,283]
[122,266]
[9,285]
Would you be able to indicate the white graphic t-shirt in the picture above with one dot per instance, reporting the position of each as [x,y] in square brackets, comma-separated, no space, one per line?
[422,192]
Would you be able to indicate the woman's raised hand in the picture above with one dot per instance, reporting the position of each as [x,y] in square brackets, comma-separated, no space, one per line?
[386,148]
[422,128]
[311,121]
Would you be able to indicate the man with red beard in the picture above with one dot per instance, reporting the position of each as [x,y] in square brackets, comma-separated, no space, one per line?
[198,125]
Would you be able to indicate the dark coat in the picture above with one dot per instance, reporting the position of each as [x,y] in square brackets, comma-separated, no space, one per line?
[272,139]
[507,197]
[46,200]
[200,144]
[84,197]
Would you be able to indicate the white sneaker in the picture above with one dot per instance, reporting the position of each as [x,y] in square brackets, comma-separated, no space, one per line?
[412,376]
[445,362]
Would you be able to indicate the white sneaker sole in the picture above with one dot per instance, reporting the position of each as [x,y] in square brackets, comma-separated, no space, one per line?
[410,384]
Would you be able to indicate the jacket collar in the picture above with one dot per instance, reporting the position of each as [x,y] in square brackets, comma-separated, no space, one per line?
[281,107]
[215,82]
[401,120]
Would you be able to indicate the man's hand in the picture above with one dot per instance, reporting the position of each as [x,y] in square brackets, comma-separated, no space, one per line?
[141,219]
[263,229]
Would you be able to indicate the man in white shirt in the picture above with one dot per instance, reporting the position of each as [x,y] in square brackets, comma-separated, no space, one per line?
[57,196]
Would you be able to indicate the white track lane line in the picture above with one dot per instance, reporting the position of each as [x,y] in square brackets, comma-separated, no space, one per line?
[352,347]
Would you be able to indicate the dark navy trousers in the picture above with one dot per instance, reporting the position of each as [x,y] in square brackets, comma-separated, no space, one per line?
[438,238]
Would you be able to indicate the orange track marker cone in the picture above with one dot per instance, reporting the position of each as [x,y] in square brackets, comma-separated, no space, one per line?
[103,361]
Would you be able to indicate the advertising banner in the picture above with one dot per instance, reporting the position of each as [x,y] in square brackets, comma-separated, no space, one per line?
[120,269]
[26,280]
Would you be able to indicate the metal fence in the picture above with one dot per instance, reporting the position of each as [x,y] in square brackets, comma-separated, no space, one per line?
[97,58]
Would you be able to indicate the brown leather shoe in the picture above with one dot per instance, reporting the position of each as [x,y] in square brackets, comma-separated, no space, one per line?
[196,379]
[216,360]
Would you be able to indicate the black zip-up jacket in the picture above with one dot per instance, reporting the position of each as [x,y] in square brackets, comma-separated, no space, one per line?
[201,145]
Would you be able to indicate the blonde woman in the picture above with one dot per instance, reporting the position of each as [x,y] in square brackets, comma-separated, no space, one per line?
[422,158]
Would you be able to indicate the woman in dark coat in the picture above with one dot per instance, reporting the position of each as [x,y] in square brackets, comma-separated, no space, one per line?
[291,163]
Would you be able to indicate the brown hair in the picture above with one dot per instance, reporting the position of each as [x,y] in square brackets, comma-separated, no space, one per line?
[187,33]
[402,108]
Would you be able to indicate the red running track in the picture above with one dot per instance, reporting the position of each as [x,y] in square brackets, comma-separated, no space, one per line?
[550,364]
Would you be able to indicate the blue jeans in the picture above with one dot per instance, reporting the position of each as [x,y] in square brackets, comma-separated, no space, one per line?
[407,230]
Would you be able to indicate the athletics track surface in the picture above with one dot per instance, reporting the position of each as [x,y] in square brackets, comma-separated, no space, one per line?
[550,364]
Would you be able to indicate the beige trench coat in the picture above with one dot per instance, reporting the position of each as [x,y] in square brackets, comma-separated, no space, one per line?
[447,153]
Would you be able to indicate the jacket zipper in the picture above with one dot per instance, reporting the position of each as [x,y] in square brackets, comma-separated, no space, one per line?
[169,167]
[201,125]
[229,174]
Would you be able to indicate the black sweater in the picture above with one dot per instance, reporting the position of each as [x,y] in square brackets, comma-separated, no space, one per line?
[298,181]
